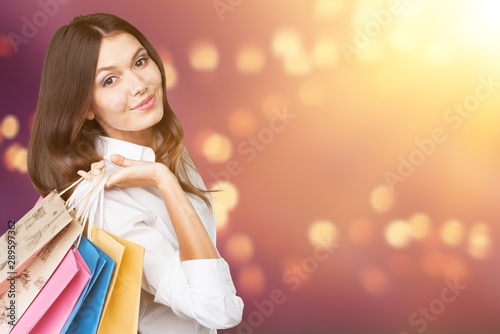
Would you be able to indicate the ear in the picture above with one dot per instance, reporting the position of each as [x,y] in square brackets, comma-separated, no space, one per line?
[90,115]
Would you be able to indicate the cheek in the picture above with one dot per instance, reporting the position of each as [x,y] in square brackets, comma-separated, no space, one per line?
[110,102]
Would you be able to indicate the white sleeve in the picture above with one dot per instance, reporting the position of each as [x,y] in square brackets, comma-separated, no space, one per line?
[198,289]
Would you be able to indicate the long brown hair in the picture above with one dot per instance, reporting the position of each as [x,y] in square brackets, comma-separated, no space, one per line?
[63,140]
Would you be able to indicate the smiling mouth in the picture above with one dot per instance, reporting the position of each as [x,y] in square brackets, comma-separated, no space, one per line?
[146,104]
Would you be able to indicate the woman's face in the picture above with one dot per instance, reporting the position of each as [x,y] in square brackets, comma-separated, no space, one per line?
[128,95]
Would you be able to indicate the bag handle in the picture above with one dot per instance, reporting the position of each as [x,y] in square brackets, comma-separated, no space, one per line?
[89,202]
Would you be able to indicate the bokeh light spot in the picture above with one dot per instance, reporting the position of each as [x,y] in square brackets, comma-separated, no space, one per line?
[420,226]
[250,59]
[452,232]
[479,241]
[221,214]
[227,194]
[374,280]
[217,148]
[10,157]
[10,126]
[322,232]
[239,248]
[6,49]
[242,122]
[382,198]
[286,42]
[251,280]
[203,56]
[397,234]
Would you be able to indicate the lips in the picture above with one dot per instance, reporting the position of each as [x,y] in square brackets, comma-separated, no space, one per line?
[146,104]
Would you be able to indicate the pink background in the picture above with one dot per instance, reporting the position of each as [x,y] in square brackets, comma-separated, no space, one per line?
[365,84]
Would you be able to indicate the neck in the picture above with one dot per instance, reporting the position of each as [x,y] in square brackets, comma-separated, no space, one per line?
[144,138]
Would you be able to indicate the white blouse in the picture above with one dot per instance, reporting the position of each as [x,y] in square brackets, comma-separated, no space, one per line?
[179,297]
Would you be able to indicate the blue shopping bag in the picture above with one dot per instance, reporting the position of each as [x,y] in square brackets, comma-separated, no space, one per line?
[87,312]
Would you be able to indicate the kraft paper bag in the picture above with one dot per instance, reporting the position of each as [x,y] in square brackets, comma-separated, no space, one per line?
[31,233]
[31,281]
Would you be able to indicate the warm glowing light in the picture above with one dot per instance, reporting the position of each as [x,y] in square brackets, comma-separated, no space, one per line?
[361,232]
[325,53]
[217,148]
[10,126]
[250,59]
[242,122]
[297,64]
[420,226]
[397,234]
[171,75]
[251,281]
[452,232]
[170,71]
[227,194]
[479,241]
[382,198]
[10,157]
[5,46]
[312,93]
[403,40]
[325,10]
[374,280]
[21,160]
[239,248]
[221,214]
[322,232]
[203,56]
[286,42]
[438,53]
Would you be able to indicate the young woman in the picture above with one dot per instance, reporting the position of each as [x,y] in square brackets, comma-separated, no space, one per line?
[102,104]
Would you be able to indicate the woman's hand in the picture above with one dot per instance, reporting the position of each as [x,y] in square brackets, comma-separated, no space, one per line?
[137,173]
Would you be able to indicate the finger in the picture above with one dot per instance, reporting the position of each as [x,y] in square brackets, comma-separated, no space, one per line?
[85,175]
[122,161]
[97,166]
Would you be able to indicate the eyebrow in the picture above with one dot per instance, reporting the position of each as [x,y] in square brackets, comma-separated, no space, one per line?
[108,68]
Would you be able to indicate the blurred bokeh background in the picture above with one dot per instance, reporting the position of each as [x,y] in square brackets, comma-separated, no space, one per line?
[371,127]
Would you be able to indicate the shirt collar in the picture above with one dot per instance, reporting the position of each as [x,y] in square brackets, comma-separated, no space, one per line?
[107,146]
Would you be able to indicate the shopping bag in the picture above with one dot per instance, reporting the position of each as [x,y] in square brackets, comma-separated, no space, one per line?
[31,281]
[86,314]
[29,235]
[121,308]
[52,306]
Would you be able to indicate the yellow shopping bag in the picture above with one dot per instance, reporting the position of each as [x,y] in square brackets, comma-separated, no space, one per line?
[121,308]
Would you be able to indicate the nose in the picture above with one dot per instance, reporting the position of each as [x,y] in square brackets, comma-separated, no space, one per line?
[138,85]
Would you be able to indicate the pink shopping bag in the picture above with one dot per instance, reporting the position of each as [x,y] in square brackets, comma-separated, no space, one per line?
[51,308]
